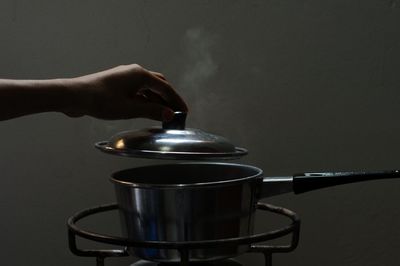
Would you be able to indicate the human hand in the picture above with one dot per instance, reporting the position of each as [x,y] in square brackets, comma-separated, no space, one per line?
[123,92]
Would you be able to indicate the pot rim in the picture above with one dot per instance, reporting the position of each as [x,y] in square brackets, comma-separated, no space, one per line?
[258,173]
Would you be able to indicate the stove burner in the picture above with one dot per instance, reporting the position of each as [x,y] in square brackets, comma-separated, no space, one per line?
[228,262]
[184,247]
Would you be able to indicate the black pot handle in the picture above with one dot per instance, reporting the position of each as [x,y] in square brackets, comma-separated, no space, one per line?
[311,181]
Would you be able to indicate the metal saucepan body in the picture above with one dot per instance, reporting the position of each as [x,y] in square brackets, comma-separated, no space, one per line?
[204,201]
[191,201]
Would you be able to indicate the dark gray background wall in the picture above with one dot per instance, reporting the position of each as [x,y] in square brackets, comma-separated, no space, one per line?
[304,85]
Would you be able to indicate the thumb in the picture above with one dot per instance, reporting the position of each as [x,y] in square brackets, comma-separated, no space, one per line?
[154,111]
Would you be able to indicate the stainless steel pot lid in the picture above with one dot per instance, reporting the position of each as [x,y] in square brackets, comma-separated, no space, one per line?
[172,141]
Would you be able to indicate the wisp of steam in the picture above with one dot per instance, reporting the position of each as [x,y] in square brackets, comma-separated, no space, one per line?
[199,68]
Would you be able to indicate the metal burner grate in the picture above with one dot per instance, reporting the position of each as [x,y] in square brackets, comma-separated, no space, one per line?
[183,247]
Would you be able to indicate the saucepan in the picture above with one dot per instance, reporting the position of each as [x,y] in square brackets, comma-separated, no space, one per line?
[204,201]
[200,200]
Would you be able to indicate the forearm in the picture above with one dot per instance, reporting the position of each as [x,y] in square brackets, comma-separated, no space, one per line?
[24,97]
[123,92]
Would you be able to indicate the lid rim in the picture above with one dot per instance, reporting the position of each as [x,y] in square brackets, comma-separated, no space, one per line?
[105,147]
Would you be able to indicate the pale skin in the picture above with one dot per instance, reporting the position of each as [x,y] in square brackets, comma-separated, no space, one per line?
[123,92]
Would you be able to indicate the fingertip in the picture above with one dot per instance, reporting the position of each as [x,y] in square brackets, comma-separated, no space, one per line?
[168,93]
[185,107]
[154,111]
[167,114]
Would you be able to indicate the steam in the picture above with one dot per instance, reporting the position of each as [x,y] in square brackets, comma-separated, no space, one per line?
[199,68]
[200,63]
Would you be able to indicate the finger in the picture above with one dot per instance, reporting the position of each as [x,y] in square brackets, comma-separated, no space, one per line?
[170,96]
[159,75]
[151,110]
[152,96]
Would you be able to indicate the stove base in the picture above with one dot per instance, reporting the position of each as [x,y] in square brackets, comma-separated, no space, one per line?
[184,247]
[228,262]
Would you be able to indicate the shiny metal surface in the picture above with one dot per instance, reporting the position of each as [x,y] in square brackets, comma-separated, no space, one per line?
[172,141]
[159,143]
[188,201]
[276,185]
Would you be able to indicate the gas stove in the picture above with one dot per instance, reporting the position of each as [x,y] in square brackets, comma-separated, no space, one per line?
[254,243]
[228,262]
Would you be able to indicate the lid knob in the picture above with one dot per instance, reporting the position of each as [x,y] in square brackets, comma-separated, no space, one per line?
[177,122]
